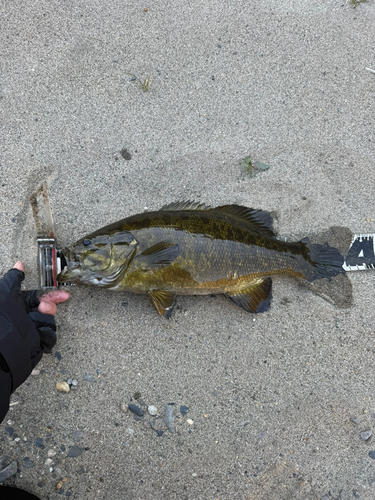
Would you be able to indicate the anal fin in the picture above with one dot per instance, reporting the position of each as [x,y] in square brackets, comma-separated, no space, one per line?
[163,301]
[255,298]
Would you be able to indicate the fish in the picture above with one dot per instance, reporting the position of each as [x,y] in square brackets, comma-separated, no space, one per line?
[189,248]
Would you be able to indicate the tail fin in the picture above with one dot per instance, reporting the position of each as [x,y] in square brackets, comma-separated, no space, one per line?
[325,261]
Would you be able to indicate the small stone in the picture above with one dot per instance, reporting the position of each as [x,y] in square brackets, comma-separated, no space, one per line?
[184,410]
[62,387]
[59,485]
[365,435]
[194,474]
[38,442]
[74,382]
[35,372]
[8,472]
[159,433]
[17,440]
[168,417]
[75,451]
[28,464]
[48,462]
[89,378]
[51,453]
[152,410]
[190,421]
[371,454]
[10,422]
[69,381]
[124,407]
[130,431]
[355,419]
[58,471]
[135,409]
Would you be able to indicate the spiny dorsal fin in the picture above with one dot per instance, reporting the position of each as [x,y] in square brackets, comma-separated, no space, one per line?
[258,220]
[256,297]
[185,205]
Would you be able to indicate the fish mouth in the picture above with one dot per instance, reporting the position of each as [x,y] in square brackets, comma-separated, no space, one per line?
[73,272]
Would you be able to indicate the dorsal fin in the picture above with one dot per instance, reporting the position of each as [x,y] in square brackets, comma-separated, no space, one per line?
[258,220]
[185,205]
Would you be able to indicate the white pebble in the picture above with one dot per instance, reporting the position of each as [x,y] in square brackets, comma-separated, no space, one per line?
[51,453]
[35,372]
[152,410]
[194,474]
[48,462]
[17,440]
[130,431]
[10,422]
[63,387]
[190,421]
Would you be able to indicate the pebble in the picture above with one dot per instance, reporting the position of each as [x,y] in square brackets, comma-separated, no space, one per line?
[365,435]
[194,474]
[28,464]
[69,381]
[38,442]
[17,440]
[62,387]
[190,421]
[51,453]
[135,409]
[184,410]
[371,454]
[10,422]
[168,418]
[35,372]
[75,451]
[74,382]
[48,462]
[8,472]
[130,431]
[152,410]
[89,378]
[355,419]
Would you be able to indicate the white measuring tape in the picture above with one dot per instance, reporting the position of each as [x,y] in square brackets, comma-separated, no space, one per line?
[361,255]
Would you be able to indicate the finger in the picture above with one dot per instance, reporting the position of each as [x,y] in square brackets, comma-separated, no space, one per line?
[47,308]
[56,296]
[11,281]
[20,266]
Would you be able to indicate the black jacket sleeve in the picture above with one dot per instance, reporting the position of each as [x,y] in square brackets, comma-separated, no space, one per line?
[5,388]
[20,348]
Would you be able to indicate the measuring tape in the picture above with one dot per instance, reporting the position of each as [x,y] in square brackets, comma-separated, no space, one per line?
[361,255]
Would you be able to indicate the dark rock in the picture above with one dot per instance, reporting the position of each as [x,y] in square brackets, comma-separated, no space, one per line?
[28,464]
[62,448]
[159,433]
[135,409]
[371,454]
[8,472]
[184,410]
[89,378]
[38,442]
[9,430]
[58,356]
[75,451]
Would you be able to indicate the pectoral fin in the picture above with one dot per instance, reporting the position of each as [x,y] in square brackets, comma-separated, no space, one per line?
[159,255]
[163,301]
[256,297]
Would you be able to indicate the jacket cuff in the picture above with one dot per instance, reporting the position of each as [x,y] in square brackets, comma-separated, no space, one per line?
[5,391]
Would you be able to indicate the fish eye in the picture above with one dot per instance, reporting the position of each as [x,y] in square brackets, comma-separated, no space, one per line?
[86,242]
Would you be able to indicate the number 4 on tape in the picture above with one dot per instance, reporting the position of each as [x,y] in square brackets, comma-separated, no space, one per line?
[361,255]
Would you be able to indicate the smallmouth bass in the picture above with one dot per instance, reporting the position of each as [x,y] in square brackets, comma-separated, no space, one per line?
[187,248]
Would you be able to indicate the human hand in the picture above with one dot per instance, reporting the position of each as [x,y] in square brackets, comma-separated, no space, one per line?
[27,325]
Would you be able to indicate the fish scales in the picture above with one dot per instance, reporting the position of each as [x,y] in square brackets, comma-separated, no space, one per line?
[230,250]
